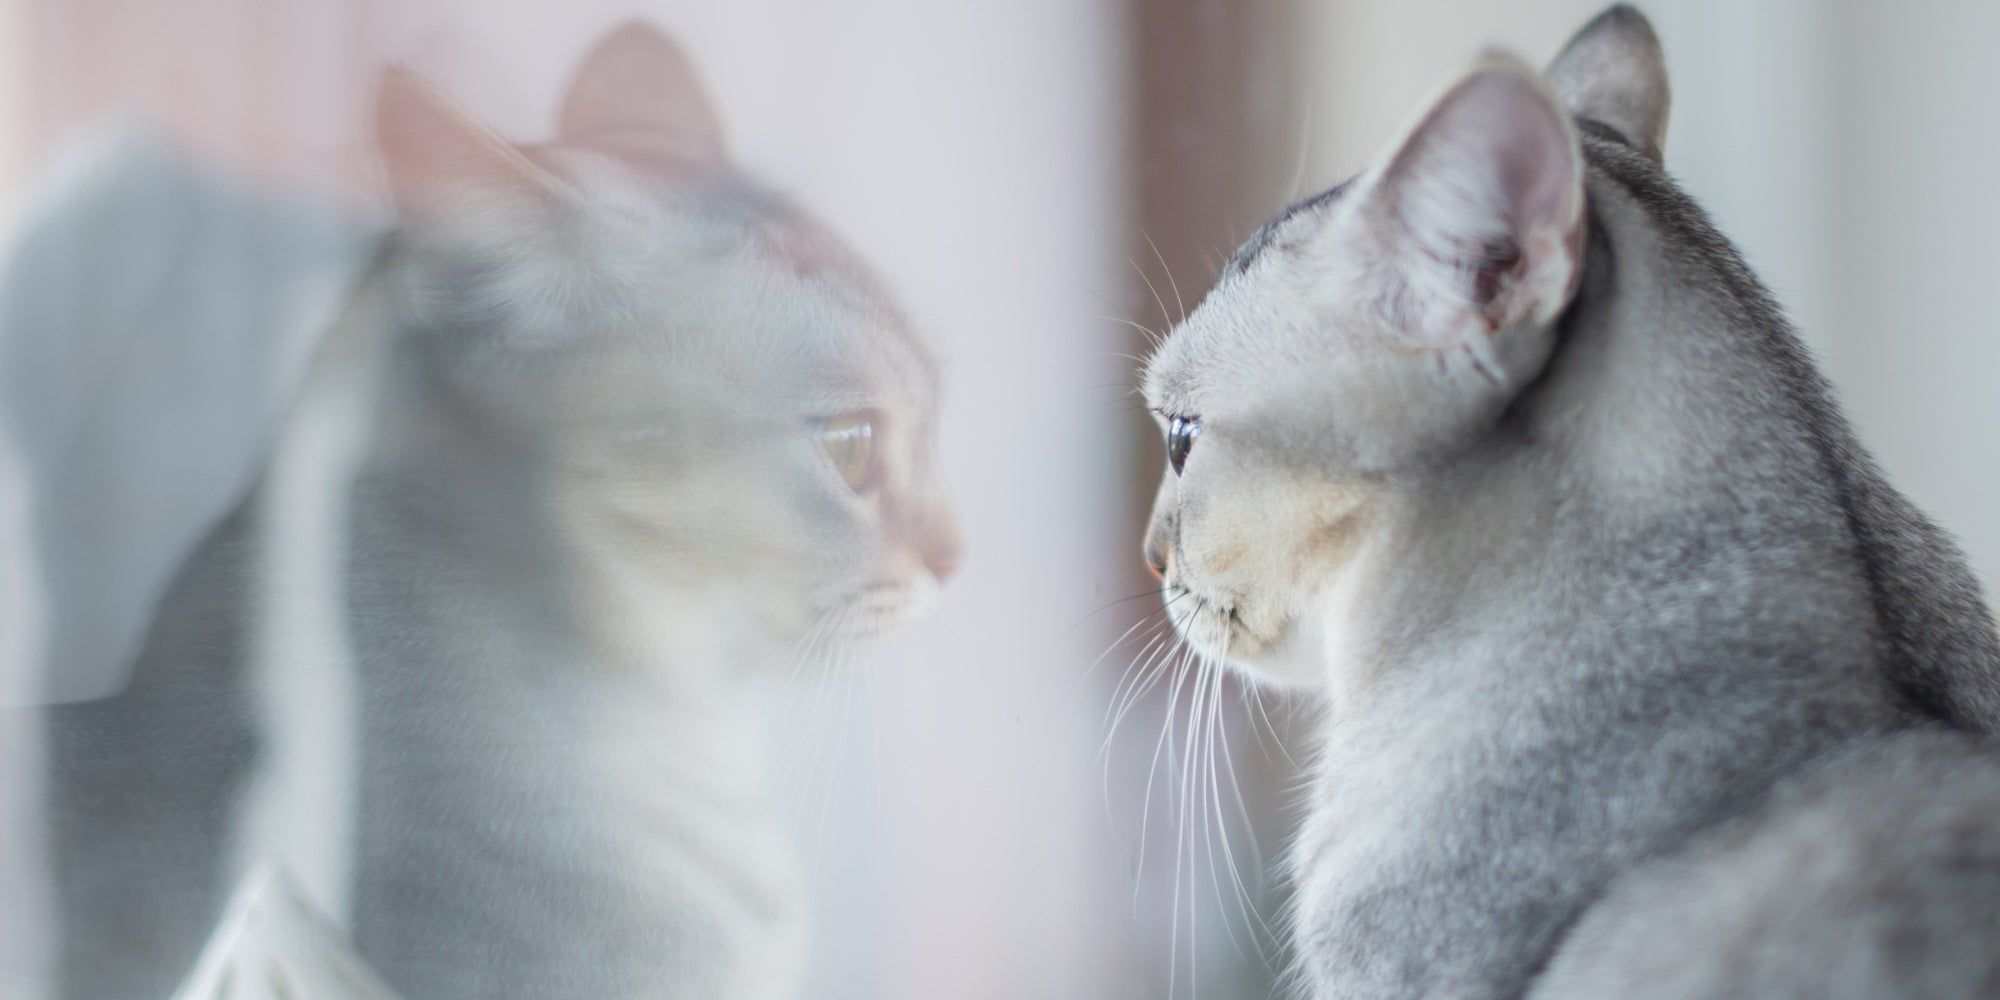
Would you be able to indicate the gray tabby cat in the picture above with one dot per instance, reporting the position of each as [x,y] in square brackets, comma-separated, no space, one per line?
[1642,682]
[635,431]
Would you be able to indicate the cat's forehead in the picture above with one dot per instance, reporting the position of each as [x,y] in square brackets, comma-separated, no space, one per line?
[848,336]
[714,200]
[1248,326]
[868,358]
[713,286]
[1210,354]
[856,340]
[1283,228]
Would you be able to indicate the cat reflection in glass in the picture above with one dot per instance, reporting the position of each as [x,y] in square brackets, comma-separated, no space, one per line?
[623,430]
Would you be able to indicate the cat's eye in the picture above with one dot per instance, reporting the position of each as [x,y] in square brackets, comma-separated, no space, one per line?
[1181,432]
[849,440]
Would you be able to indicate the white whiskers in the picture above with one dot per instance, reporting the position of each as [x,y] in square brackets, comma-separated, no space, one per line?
[1193,737]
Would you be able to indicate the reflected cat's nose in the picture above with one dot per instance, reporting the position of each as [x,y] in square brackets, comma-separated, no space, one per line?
[942,564]
[941,548]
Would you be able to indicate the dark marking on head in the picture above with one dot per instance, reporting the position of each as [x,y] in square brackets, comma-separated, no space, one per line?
[813,253]
[1268,232]
[804,246]
[1599,130]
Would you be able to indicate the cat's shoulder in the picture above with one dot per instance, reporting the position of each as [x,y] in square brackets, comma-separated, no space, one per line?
[1875,872]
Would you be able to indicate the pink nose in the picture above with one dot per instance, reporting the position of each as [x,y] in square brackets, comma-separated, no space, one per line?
[942,562]
[941,549]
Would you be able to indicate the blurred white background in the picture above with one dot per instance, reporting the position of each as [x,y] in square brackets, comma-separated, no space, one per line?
[995,162]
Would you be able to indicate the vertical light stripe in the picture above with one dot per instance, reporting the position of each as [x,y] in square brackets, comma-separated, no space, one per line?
[298,816]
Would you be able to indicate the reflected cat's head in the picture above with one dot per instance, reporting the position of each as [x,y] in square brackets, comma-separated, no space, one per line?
[710,403]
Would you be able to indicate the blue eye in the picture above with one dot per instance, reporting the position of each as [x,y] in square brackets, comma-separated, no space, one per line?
[1181,432]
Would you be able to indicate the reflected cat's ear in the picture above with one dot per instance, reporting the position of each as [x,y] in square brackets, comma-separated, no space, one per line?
[436,154]
[1476,220]
[1614,72]
[637,93]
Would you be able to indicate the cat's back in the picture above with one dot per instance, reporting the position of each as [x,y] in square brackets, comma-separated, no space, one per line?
[1875,873]
[1873,870]
[1936,638]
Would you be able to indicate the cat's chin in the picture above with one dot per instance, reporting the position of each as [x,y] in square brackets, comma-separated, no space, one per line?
[882,607]
[1285,652]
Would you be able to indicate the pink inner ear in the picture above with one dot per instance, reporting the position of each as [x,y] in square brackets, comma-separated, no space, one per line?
[1482,208]
[434,151]
[1550,166]
[638,91]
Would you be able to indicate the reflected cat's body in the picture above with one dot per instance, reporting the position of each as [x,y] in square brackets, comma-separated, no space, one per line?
[609,433]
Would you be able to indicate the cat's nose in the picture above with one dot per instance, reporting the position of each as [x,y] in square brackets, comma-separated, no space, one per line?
[941,547]
[1156,557]
[942,561]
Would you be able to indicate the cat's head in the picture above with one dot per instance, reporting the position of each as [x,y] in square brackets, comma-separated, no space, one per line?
[714,405]
[1367,338]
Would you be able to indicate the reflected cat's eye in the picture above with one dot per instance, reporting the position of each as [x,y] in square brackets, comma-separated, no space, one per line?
[1181,432]
[850,442]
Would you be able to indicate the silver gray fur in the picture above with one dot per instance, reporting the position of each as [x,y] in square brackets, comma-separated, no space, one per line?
[1643,681]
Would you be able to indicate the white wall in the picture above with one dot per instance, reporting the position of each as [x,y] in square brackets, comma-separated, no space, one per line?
[1914,335]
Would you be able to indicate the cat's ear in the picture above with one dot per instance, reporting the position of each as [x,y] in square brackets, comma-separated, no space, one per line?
[437,154]
[637,92]
[1474,224]
[1614,72]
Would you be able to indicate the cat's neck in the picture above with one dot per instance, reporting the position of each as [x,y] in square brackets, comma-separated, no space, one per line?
[467,599]
[504,753]
[468,571]
[1503,759]
[495,715]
